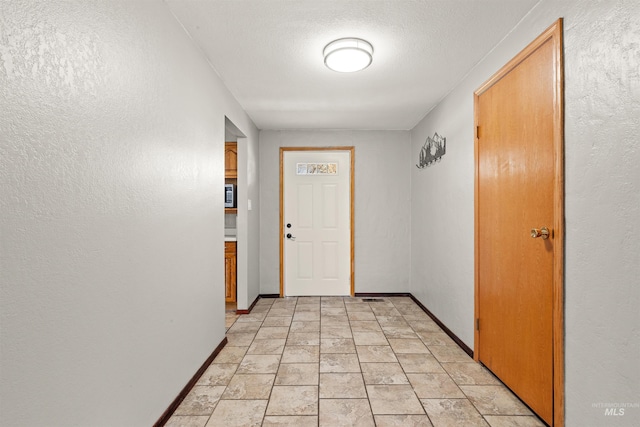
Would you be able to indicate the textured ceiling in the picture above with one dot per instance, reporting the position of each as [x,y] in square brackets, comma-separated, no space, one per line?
[269,54]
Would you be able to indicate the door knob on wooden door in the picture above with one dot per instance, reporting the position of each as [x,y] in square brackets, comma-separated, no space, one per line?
[540,232]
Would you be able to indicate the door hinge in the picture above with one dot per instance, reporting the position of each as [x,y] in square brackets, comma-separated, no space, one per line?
[477,132]
[477,324]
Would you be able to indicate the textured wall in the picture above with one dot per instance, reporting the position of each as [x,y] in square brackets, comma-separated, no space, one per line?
[111,172]
[381,211]
[602,203]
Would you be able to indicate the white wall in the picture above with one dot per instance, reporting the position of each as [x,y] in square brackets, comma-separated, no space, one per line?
[111,172]
[381,210]
[602,124]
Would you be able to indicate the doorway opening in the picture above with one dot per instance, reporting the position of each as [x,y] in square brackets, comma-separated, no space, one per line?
[235,218]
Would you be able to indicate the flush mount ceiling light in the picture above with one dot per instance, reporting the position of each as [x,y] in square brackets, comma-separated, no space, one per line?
[348,55]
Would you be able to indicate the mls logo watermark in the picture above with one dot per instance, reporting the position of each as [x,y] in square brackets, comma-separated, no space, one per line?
[615,409]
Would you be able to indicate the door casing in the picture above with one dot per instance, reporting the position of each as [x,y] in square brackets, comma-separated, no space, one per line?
[554,35]
[351,149]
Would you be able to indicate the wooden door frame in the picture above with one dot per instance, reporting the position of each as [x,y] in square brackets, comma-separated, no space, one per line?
[352,182]
[553,34]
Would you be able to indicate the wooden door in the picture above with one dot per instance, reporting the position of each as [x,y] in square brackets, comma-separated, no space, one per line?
[518,192]
[317,222]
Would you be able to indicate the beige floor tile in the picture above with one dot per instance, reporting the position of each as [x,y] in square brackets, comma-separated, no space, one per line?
[449,353]
[345,412]
[383,373]
[513,421]
[301,354]
[238,413]
[362,315]
[418,316]
[244,327]
[494,400]
[332,301]
[228,322]
[265,302]
[297,374]
[271,346]
[337,345]
[408,346]
[470,374]
[392,321]
[357,306]
[272,332]
[393,399]
[309,300]
[240,339]
[277,321]
[370,338]
[249,386]
[187,421]
[201,400]
[333,311]
[305,327]
[342,386]
[402,421]
[303,338]
[381,302]
[435,386]
[386,311]
[419,363]
[293,400]
[293,421]
[423,324]
[308,307]
[399,332]
[328,332]
[254,316]
[339,363]
[340,320]
[435,338]
[365,326]
[218,374]
[453,413]
[231,354]
[375,354]
[306,316]
[259,364]
[281,312]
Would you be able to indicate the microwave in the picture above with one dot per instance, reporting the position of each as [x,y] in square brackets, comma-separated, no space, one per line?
[230,196]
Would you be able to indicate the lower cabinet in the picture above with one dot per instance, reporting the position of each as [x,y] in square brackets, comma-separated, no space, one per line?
[230,271]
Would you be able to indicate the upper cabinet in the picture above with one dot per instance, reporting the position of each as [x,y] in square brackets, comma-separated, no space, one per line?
[230,160]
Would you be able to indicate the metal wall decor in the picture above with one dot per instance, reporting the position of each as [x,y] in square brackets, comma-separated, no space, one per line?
[432,151]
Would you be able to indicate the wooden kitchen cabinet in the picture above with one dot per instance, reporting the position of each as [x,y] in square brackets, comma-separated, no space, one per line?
[230,271]
[231,160]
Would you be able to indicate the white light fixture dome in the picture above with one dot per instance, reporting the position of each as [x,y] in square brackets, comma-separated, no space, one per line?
[348,55]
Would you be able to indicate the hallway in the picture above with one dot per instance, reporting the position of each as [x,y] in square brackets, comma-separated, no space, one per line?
[333,361]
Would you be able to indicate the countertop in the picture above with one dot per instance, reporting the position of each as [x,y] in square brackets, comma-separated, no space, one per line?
[230,235]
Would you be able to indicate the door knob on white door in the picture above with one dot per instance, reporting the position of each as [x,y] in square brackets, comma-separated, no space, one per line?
[540,232]
[290,236]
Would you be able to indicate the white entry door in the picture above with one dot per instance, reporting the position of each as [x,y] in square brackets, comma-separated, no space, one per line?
[316,222]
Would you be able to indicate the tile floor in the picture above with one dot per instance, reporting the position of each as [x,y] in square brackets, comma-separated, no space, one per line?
[333,361]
